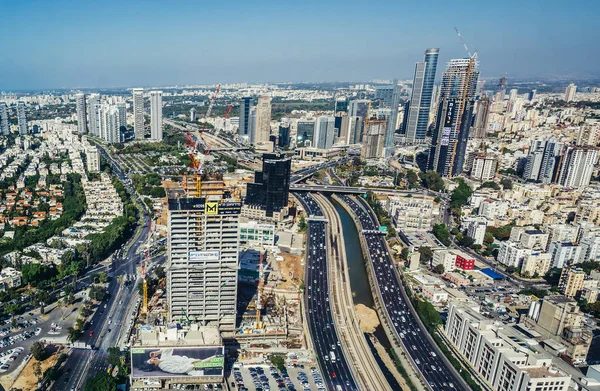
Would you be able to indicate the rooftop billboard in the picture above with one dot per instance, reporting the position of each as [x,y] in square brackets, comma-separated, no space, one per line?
[169,362]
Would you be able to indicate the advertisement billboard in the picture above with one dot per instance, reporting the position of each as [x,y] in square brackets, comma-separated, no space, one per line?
[209,208]
[204,255]
[448,120]
[169,362]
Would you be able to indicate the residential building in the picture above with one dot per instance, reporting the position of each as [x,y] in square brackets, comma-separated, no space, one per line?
[570,92]
[413,212]
[109,124]
[482,114]
[500,353]
[244,130]
[93,105]
[203,246]
[122,109]
[256,234]
[577,166]
[563,253]
[271,186]
[357,108]
[139,129]
[529,237]
[263,119]
[542,160]
[324,135]
[476,230]
[571,281]
[457,98]
[4,119]
[81,113]
[156,127]
[354,133]
[92,157]
[420,101]
[453,259]
[9,278]
[392,122]
[22,118]
[374,139]
[512,254]
[536,264]
[484,167]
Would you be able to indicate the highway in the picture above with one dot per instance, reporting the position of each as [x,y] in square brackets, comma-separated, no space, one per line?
[400,315]
[325,338]
[304,173]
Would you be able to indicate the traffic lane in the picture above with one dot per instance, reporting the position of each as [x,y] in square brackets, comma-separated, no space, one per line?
[73,368]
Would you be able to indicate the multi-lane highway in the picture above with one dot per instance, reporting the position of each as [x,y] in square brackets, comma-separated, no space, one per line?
[325,338]
[424,353]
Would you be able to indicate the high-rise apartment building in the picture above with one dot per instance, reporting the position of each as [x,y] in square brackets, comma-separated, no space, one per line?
[271,187]
[481,118]
[122,108]
[263,119]
[577,166]
[109,123]
[324,132]
[92,157]
[374,139]
[392,122]
[354,132]
[512,95]
[457,98]
[571,281]
[4,119]
[484,167]
[570,92]
[359,108]
[420,101]
[156,129]
[244,130]
[138,114]
[93,106]
[542,161]
[22,118]
[531,95]
[203,245]
[81,113]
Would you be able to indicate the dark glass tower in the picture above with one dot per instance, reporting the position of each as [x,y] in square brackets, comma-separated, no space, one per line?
[271,187]
[284,136]
[245,128]
[420,101]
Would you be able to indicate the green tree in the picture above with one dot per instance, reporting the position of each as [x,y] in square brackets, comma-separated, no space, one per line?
[488,238]
[278,362]
[38,350]
[302,224]
[160,272]
[101,382]
[425,254]
[439,269]
[102,277]
[460,195]
[432,180]
[73,334]
[506,183]
[412,178]
[440,231]
[404,253]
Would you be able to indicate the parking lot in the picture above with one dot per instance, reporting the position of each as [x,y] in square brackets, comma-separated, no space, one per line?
[265,378]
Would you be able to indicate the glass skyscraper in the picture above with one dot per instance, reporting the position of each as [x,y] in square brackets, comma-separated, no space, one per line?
[420,102]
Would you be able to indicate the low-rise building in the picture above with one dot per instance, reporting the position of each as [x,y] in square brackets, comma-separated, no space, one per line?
[9,278]
[571,281]
[413,212]
[256,234]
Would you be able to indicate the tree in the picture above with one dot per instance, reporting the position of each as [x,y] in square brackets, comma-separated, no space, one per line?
[425,254]
[440,231]
[73,334]
[302,224]
[101,382]
[278,362]
[488,238]
[506,183]
[37,370]
[466,241]
[439,269]
[102,277]
[460,195]
[160,272]
[38,350]
[432,180]
[491,185]
[404,253]
[114,356]
[412,178]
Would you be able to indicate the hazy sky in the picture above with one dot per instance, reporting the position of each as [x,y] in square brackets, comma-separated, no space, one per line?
[53,44]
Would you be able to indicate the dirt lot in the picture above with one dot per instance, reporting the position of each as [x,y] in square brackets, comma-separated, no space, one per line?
[367,318]
[27,379]
[290,264]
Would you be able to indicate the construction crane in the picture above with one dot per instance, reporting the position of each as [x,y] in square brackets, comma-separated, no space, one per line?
[217,132]
[261,284]
[210,107]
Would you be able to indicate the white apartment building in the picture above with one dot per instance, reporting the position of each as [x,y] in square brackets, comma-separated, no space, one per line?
[138,113]
[156,128]
[203,242]
[413,212]
[504,358]
[484,168]
[9,278]
[529,237]
[577,167]
[512,254]
[92,157]
[493,209]
[536,263]
[570,92]
[476,230]
[81,113]
[563,253]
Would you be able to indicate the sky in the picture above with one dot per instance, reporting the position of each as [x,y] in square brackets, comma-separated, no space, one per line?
[87,44]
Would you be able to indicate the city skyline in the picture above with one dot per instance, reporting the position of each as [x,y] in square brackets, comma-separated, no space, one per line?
[139,51]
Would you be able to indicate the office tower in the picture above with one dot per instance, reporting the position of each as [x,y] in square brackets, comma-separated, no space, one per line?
[341,104]
[283,141]
[354,134]
[203,245]
[359,108]
[502,87]
[341,126]
[512,95]
[244,130]
[324,132]
[138,114]
[122,108]
[384,94]
[577,166]
[156,131]
[417,116]
[263,119]
[81,113]
[390,145]
[481,117]
[109,123]
[457,98]
[305,133]
[374,139]
[22,118]
[271,186]
[92,157]
[93,104]
[570,92]
[4,119]
[531,95]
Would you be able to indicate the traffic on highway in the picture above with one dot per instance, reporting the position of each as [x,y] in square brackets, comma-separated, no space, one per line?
[335,368]
[425,355]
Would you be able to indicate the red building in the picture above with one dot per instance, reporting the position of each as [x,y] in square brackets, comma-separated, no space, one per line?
[464,261]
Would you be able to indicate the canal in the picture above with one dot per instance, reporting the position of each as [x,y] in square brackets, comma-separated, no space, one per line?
[359,283]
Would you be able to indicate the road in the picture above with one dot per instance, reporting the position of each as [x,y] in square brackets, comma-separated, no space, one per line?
[400,315]
[324,336]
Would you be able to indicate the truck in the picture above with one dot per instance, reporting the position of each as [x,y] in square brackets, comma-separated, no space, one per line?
[332,356]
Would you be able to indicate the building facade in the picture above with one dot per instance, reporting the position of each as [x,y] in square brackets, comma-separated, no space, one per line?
[420,101]
[22,118]
[156,127]
[139,129]
[263,119]
[4,119]
[81,113]
[271,187]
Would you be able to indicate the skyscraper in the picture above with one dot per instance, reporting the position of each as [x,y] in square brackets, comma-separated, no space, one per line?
[109,123]
[81,113]
[122,108]
[577,166]
[4,119]
[271,186]
[374,139]
[93,104]
[570,92]
[481,117]
[283,140]
[244,133]
[324,132]
[138,113]
[392,119]
[384,94]
[156,129]
[420,101]
[354,133]
[502,83]
[457,97]
[359,108]
[22,118]
[263,119]
[512,95]
[542,160]
[305,133]
[203,245]
[531,95]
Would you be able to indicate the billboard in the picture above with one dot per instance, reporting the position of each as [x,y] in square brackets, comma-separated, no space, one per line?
[204,255]
[169,362]
[448,120]
[210,208]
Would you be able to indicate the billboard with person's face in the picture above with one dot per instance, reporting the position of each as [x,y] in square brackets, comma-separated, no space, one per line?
[166,362]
